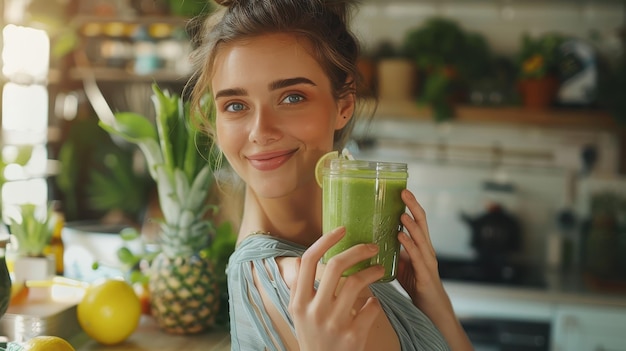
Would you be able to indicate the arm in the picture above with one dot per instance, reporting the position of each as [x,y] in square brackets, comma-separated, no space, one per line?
[419,276]
[324,319]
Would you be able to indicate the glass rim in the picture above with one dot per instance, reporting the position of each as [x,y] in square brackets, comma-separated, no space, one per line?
[387,166]
[365,169]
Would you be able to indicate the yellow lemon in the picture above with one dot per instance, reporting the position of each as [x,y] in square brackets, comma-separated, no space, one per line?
[319,166]
[110,311]
[47,343]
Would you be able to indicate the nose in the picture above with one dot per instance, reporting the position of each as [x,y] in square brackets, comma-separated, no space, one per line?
[265,127]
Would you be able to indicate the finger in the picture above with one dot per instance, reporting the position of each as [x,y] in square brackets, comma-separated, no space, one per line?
[308,264]
[353,285]
[410,247]
[420,262]
[416,234]
[417,211]
[340,263]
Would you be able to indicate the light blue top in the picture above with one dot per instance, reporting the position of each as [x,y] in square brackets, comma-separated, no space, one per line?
[251,326]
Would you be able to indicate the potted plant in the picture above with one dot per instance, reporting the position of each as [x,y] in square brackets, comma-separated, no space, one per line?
[396,73]
[183,280]
[31,228]
[448,57]
[538,69]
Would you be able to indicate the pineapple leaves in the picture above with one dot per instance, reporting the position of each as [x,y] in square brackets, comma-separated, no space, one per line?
[182,162]
[137,129]
[182,184]
[131,126]
[167,194]
[173,140]
[167,115]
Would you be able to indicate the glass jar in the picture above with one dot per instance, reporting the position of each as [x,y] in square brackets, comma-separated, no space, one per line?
[364,197]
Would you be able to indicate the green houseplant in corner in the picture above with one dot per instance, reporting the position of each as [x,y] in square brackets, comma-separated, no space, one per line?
[183,280]
[32,227]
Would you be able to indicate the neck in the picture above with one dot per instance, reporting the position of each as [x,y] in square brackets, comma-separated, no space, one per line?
[296,217]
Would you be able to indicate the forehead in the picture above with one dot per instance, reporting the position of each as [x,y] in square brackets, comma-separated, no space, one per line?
[264,57]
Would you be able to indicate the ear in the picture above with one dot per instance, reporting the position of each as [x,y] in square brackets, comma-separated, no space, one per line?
[345,110]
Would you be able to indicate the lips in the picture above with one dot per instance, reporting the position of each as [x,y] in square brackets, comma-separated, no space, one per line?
[268,161]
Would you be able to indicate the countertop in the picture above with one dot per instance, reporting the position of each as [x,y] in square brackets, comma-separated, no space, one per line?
[560,289]
[543,304]
[148,336]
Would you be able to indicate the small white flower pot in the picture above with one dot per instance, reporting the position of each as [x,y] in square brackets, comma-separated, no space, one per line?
[34,268]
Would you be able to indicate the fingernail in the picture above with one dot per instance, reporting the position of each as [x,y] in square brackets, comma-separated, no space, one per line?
[372,247]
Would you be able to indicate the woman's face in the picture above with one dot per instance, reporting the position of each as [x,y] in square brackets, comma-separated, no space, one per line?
[276,113]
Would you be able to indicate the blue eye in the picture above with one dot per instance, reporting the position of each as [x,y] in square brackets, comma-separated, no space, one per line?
[235,107]
[293,99]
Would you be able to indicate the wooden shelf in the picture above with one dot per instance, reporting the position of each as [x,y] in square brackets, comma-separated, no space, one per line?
[145,20]
[122,75]
[507,115]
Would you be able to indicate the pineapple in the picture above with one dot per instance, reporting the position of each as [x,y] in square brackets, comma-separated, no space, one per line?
[184,295]
[183,282]
[183,287]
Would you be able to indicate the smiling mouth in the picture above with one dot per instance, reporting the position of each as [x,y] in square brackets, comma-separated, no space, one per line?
[271,160]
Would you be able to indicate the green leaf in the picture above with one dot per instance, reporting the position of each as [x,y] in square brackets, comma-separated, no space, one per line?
[127,257]
[139,130]
[132,127]
[32,232]
[165,108]
[129,234]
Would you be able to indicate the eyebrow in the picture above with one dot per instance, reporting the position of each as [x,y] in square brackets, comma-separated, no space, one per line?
[231,92]
[277,84]
[283,83]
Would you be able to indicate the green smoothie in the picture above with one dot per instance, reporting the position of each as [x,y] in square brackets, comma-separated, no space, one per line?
[367,202]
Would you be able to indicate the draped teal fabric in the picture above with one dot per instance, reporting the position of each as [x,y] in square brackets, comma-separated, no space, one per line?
[251,326]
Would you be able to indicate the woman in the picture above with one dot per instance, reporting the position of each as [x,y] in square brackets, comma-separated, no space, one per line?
[283,78]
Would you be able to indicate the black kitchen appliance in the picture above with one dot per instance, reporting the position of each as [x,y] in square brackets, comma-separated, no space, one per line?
[496,235]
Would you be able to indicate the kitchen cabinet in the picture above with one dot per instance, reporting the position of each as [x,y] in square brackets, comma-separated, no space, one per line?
[589,328]
[579,318]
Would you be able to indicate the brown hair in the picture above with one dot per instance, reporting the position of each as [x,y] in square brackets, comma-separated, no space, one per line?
[322,22]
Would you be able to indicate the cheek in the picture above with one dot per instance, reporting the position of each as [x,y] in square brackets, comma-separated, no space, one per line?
[226,138]
[321,129]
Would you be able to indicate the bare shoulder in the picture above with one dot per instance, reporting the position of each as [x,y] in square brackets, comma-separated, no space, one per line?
[287,268]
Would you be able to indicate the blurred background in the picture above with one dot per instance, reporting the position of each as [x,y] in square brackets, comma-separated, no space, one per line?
[511,115]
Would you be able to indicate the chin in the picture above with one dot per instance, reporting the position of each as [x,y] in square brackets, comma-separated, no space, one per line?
[277,188]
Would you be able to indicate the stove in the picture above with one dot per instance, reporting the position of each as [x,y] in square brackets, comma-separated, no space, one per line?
[491,272]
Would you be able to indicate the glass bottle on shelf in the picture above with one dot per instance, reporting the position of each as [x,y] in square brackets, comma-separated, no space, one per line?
[56,246]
